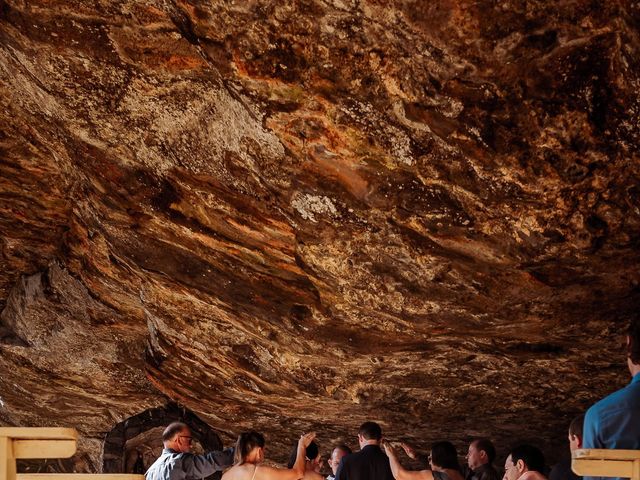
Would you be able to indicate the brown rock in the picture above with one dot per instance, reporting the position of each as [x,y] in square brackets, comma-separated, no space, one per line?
[301,215]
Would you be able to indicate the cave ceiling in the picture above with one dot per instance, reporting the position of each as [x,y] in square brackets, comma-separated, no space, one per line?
[306,214]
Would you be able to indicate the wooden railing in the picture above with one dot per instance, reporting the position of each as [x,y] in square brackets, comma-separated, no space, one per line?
[43,443]
[606,463]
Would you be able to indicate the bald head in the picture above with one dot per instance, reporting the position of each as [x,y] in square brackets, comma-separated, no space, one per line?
[177,437]
[336,455]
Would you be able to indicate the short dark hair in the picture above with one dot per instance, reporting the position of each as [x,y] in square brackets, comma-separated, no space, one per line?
[485,445]
[633,350]
[444,455]
[247,441]
[310,453]
[343,448]
[370,431]
[575,427]
[532,457]
[172,430]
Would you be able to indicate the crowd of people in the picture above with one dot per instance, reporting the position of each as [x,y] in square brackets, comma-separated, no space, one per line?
[613,422]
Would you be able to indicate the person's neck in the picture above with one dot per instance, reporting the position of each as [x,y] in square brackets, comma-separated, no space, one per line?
[366,443]
[529,474]
[634,369]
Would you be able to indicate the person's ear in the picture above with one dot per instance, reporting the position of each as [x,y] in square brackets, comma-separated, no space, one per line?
[520,465]
[483,455]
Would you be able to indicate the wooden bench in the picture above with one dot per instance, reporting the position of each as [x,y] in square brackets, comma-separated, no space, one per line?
[43,443]
[606,463]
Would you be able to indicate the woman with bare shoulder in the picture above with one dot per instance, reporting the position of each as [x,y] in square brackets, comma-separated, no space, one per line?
[443,460]
[249,454]
[313,462]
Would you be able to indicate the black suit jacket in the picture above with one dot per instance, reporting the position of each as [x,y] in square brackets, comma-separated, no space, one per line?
[483,472]
[562,470]
[370,463]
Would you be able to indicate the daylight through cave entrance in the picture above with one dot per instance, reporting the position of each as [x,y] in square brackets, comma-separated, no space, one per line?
[134,444]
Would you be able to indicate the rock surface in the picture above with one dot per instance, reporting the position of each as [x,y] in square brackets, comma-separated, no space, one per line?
[296,215]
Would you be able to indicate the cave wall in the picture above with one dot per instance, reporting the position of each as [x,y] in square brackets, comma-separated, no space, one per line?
[303,215]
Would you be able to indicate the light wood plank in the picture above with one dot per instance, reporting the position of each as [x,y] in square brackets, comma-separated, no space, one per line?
[44,448]
[602,468]
[7,461]
[39,433]
[603,454]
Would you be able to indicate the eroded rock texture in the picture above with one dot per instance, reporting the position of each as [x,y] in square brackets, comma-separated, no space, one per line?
[305,214]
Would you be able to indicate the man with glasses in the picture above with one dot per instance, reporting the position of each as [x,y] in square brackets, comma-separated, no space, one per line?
[334,461]
[178,463]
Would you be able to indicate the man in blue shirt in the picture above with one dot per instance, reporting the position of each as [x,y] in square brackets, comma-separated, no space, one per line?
[178,463]
[614,422]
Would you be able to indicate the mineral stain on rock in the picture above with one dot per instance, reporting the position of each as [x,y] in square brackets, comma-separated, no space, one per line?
[298,215]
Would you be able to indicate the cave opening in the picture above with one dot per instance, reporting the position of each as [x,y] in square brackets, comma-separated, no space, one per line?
[135,443]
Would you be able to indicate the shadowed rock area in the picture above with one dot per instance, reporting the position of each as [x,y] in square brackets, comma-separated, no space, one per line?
[301,215]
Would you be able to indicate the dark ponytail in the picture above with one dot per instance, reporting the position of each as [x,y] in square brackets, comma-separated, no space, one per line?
[444,455]
[247,441]
[311,453]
